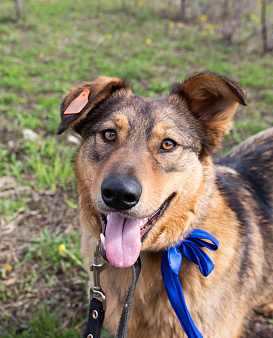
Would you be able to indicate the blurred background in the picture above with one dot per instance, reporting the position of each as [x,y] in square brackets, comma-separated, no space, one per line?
[49,46]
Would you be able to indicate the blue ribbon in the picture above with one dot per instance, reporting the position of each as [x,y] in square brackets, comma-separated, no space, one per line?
[170,266]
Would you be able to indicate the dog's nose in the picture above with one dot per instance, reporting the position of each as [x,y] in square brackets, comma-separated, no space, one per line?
[120,192]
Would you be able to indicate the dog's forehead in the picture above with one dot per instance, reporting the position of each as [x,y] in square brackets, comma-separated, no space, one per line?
[148,112]
[156,118]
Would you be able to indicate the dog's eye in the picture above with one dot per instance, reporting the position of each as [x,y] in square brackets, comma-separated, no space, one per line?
[109,135]
[168,144]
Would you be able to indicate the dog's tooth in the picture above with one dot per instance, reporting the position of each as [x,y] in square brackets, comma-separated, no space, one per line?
[107,217]
[144,221]
[102,238]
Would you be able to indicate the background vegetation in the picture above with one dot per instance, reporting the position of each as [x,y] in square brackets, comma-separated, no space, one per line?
[56,45]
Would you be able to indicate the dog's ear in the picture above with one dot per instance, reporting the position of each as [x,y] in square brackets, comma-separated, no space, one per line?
[78,102]
[212,99]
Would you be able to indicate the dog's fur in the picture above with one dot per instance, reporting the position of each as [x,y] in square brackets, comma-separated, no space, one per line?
[232,199]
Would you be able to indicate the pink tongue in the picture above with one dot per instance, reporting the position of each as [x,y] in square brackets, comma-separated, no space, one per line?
[122,240]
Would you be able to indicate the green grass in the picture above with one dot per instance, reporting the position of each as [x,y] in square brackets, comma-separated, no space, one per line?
[61,44]
[9,207]
[43,160]
[45,323]
[47,261]
[267,96]
[45,249]
[46,252]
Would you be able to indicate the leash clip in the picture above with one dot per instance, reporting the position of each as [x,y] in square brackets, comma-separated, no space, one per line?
[97,268]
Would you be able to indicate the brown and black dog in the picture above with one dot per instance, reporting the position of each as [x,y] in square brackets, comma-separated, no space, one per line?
[146,179]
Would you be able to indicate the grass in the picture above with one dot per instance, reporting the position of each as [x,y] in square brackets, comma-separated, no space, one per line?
[9,207]
[52,249]
[43,160]
[52,256]
[61,44]
[46,163]
[45,323]
[41,249]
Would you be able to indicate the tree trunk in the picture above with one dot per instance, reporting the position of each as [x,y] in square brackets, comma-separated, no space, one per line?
[264,25]
[19,8]
[226,29]
[183,9]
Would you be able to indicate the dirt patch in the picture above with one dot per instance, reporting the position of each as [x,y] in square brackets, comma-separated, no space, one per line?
[25,287]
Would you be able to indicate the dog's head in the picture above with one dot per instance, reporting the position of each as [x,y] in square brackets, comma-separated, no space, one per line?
[143,169]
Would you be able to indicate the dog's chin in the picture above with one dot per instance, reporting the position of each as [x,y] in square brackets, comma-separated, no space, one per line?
[122,237]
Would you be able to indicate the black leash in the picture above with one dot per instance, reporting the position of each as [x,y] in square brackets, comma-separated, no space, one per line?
[95,319]
[126,310]
[97,308]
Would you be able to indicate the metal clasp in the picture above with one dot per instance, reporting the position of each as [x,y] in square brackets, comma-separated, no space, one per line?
[97,268]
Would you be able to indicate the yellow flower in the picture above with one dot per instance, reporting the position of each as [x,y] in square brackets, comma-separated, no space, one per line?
[171,24]
[180,25]
[61,249]
[109,36]
[141,3]
[202,17]
[7,267]
[204,33]
[42,55]
[149,41]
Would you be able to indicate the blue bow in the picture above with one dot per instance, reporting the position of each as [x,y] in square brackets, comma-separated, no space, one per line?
[170,266]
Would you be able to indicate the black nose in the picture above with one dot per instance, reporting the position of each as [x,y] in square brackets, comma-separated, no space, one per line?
[120,192]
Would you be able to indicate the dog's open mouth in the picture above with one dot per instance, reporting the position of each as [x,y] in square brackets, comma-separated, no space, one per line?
[121,237]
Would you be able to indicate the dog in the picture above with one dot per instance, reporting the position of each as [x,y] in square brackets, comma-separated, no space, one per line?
[146,179]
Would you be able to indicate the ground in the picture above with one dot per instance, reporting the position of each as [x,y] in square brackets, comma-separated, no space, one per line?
[60,45]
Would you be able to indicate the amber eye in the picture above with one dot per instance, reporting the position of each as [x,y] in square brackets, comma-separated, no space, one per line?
[109,135]
[168,144]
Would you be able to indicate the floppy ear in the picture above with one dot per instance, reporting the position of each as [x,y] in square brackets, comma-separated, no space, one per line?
[78,102]
[212,99]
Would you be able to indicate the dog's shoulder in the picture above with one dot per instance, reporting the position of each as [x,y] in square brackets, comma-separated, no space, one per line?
[252,163]
[259,146]
[244,178]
